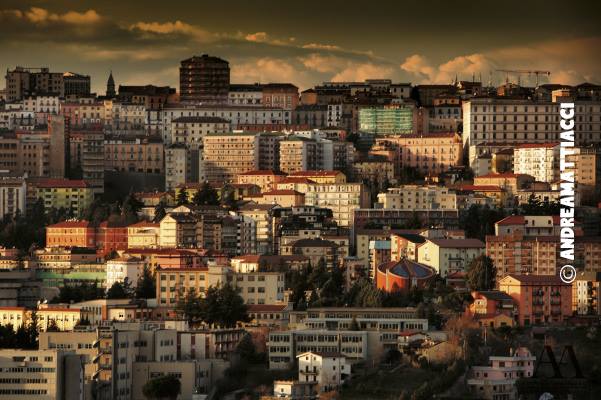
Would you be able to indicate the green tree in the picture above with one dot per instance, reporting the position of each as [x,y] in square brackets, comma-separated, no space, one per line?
[206,196]
[52,326]
[481,273]
[146,287]
[130,209]
[32,332]
[163,387]
[246,350]
[182,197]
[190,305]
[228,197]
[230,307]
[120,290]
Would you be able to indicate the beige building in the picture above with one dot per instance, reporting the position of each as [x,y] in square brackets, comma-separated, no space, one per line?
[450,255]
[341,198]
[143,154]
[13,192]
[538,160]
[261,287]
[177,230]
[411,197]
[142,235]
[225,156]
[41,375]
[192,130]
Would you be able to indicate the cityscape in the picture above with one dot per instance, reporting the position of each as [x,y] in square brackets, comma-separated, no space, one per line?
[195,207]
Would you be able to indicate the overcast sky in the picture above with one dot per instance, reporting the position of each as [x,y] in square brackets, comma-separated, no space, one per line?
[305,42]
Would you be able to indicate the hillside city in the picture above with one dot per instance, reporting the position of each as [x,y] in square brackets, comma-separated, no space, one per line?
[353,240]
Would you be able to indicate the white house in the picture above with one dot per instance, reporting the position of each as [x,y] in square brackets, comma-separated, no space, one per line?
[329,370]
[123,267]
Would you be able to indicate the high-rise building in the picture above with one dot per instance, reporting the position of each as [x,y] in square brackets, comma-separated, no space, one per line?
[204,79]
[76,85]
[22,82]
[386,120]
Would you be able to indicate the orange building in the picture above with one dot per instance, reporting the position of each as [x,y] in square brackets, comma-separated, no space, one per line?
[110,236]
[282,197]
[493,308]
[71,234]
[265,179]
[281,95]
[540,299]
[403,275]
[321,176]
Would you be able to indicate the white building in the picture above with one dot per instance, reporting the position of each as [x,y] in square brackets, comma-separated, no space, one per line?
[192,130]
[245,95]
[497,381]
[176,166]
[328,370]
[334,114]
[13,191]
[538,160]
[118,269]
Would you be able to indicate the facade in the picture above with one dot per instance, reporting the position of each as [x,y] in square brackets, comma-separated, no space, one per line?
[327,370]
[540,299]
[41,374]
[386,120]
[13,193]
[204,79]
[538,160]
[143,154]
[225,156]
[498,381]
[191,130]
[447,256]
[428,153]
[265,179]
[411,197]
[122,268]
[71,234]
[72,195]
[492,308]
[22,82]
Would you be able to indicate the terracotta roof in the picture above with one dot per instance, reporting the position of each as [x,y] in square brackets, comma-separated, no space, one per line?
[266,307]
[537,145]
[407,269]
[499,176]
[520,219]
[248,258]
[480,188]
[71,224]
[538,279]
[458,243]
[295,180]
[144,224]
[202,120]
[12,308]
[314,173]
[495,295]
[61,183]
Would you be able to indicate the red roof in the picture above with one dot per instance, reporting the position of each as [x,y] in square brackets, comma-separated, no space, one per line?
[266,307]
[539,279]
[60,183]
[295,180]
[314,173]
[502,175]
[520,219]
[248,258]
[71,224]
[144,224]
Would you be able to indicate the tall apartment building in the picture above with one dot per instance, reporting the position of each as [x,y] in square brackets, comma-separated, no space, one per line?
[492,124]
[204,79]
[538,160]
[227,155]
[386,120]
[177,166]
[432,153]
[411,197]
[298,153]
[22,82]
[41,374]
[342,198]
[92,157]
[76,85]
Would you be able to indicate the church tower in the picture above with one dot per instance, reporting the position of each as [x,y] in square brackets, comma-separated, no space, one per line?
[110,87]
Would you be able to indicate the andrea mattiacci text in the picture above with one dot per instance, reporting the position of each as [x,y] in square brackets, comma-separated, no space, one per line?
[567,169]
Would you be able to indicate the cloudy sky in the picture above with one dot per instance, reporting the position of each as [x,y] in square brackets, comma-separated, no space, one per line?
[305,42]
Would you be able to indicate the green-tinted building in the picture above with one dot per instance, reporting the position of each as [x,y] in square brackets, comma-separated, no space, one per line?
[386,120]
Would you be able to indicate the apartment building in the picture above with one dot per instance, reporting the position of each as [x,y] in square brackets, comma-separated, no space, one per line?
[22,82]
[540,161]
[431,153]
[142,235]
[178,166]
[141,154]
[73,195]
[191,130]
[204,80]
[411,197]
[41,374]
[122,268]
[447,256]
[494,122]
[225,156]
[13,193]
[325,369]
[540,299]
[498,380]
[71,234]
[386,120]
[342,198]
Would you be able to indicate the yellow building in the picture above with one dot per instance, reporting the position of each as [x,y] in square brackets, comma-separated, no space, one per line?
[143,235]
[74,195]
[65,317]
[14,316]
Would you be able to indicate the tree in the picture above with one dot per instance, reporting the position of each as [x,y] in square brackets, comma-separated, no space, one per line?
[228,197]
[230,309]
[120,290]
[206,196]
[162,387]
[190,305]
[246,350]
[52,326]
[112,255]
[160,211]
[481,273]
[131,208]
[182,197]
[146,287]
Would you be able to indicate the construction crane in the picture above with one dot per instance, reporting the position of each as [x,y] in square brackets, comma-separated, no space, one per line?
[524,71]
